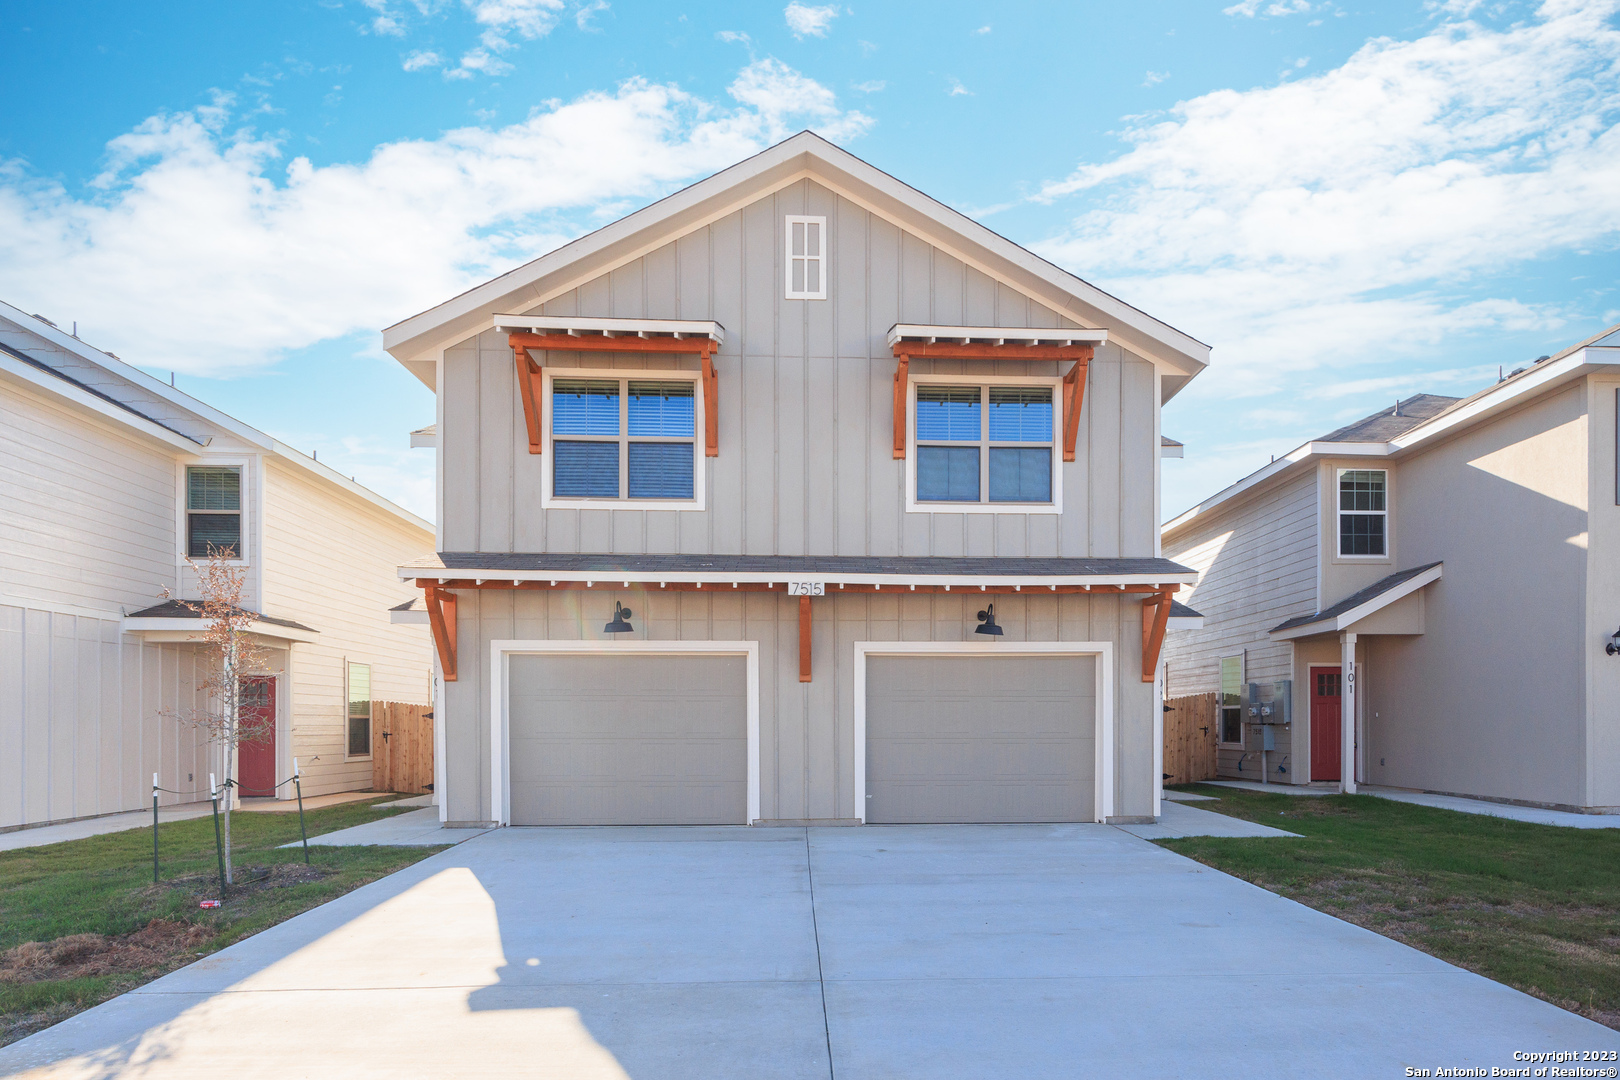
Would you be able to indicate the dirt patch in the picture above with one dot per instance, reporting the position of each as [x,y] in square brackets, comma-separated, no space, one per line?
[154,945]
[248,879]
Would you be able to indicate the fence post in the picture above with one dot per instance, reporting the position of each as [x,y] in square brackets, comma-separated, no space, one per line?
[219,842]
[154,829]
[298,786]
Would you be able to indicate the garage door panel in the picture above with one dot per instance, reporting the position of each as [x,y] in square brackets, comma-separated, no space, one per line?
[986,739]
[628,740]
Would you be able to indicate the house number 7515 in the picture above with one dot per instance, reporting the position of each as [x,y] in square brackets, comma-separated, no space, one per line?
[807,588]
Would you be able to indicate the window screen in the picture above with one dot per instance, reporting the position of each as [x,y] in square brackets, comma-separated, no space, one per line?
[359,719]
[947,474]
[948,413]
[1231,699]
[213,510]
[623,438]
[1362,511]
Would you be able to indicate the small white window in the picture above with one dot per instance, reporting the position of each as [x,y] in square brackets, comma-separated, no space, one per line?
[807,258]
[1231,700]
[1363,513]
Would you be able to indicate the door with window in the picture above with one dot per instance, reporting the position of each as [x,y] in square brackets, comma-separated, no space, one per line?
[1325,741]
[256,753]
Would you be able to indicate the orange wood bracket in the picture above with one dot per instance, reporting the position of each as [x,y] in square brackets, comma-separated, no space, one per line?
[711,406]
[1155,620]
[900,370]
[441,608]
[804,639]
[530,390]
[1074,396]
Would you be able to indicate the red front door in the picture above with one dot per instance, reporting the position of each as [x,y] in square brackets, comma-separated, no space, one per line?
[1325,741]
[256,753]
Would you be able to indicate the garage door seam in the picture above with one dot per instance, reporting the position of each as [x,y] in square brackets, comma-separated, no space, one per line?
[815,930]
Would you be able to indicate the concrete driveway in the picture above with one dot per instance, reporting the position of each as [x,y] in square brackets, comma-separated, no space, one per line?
[950,951]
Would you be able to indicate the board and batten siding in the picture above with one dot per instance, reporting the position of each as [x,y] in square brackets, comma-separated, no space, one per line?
[805,387]
[1256,564]
[806,729]
[329,563]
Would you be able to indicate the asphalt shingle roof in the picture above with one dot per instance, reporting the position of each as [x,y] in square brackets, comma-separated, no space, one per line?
[1356,599]
[812,564]
[182,609]
[1386,424]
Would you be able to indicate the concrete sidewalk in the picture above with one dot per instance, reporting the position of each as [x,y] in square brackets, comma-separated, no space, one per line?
[1533,814]
[936,952]
[41,835]
[1177,821]
[416,828]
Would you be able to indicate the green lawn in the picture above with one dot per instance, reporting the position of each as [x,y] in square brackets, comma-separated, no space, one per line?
[1534,906]
[102,927]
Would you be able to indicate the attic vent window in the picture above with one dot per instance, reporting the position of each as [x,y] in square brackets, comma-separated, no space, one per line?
[806,258]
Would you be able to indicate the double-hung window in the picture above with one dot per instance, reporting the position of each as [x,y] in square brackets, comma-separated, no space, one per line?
[358,719]
[213,511]
[1363,512]
[623,439]
[1231,700]
[988,446]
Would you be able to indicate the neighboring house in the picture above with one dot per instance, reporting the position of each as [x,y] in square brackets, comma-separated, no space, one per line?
[109,480]
[1466,553]
[725,486]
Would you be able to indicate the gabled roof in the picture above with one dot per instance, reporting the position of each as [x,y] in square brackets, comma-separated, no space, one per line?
[1385,424]
[415,341]
[1358,605]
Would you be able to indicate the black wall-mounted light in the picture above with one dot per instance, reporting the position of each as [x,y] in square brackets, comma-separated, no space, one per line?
[619,625]
[1613,647]
[987,622]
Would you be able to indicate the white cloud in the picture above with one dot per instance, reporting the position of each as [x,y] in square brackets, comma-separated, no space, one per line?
[982,30]
[528,19]
[1294,225]
[956,89]
[584,17]
[871,86]
[422,58]
[1250,8]
[198,250]
[807,21]
[1154,78]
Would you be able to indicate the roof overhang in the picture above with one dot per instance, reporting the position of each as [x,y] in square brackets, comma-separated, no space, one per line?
[417,342]
[412,612]
[994,336]
[582,327]
[177,629]
[1183,617]
[1345,621]
[17,371]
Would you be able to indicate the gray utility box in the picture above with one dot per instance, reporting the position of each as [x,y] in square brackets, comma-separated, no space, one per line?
[1268,707]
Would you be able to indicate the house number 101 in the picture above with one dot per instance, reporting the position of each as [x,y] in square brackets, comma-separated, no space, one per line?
[807,588]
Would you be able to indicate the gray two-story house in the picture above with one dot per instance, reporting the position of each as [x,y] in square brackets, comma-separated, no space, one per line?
[796,497]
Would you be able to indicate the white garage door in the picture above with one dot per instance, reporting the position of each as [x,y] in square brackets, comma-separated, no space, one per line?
[980,738]
[628,740]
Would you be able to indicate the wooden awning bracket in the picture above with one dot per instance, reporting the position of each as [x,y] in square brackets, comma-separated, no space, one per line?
[1074,382]
[1155,621]
[531,383]
[441,609]
[804,639]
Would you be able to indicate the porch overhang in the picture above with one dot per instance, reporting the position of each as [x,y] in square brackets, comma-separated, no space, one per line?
[1351,614]
[172,620]
[1183,617]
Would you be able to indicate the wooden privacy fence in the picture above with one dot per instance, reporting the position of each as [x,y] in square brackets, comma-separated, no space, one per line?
[1189,739]
[401,747]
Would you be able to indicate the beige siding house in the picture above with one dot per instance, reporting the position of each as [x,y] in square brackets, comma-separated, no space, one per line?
[1425,598]
[109,479]
[796,497]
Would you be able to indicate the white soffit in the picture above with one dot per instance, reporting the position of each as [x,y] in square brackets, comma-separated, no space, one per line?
[583,326]
[993,335]
[1346,620]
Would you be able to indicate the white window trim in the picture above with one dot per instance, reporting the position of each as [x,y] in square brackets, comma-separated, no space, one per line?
[1104,739]
[183,500]
[1243,676]
[788,257]
[700,470]
[501,653]
[371,732]
[1339,511]
[915,507]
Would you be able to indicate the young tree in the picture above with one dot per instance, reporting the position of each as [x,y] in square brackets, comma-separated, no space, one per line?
[230,653]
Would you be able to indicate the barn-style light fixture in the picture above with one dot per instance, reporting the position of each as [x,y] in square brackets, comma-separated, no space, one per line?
[1613,647]
[619,625]
[987,622]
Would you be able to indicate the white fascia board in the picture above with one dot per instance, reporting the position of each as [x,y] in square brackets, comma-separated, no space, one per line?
[66,391]
[1347,620]
[708,200]
[1540,378]
[427,436]
[1300,455]
[193,630]
[1169,448]
[580,324]
[721,581]
[994,335]
[1186,622]
[412,617]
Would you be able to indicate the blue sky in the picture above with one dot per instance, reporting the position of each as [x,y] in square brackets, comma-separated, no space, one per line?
[1349,202]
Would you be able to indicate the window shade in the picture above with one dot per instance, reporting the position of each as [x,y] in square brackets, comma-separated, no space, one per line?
[1020,414]
[586,470]
[947,474]
[661,470]
[1020,474]
[948,413]
[585,407]
[213,488]
[222,531]
[663,408]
